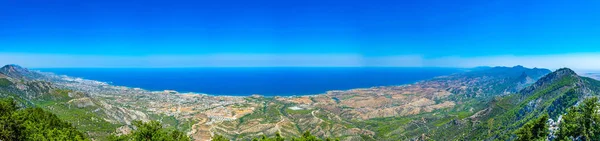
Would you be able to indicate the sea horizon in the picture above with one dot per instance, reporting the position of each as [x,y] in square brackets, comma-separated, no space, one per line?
[247,81]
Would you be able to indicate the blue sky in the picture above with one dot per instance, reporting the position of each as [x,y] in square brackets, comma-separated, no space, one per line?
[224,33]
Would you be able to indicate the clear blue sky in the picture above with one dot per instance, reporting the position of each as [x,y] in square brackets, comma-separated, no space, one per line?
[148,33]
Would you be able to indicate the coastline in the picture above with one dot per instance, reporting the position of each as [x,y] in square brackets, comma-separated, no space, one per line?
[268,82]
[142,90]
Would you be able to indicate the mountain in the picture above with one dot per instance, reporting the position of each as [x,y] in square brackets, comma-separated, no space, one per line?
[480,104]
[14,84]
[88,113]
[552,95]
[493,81]
[18,72]
[13,71]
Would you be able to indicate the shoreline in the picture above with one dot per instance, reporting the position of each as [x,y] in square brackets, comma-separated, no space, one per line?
[108,84]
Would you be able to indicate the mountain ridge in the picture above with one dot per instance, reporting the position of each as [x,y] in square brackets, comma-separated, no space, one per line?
[17,72]
[553,94]
[14,71]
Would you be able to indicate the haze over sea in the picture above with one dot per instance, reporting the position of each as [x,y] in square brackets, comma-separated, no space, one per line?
[268,81]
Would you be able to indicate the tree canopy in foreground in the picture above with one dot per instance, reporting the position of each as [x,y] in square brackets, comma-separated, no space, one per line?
[151,131]
[33,124]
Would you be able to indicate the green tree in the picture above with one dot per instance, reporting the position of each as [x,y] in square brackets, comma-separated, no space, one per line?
[306,136]
[9,128]
[277,137]
[219,138]
[535,130]
[151,131]
[42,125]
[7,106]
[33,124]
[581,122]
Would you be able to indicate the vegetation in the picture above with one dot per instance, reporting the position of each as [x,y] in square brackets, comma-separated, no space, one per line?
[4,82]
[306,136]
[219,138]
[581,122]
[535,130]
[33,124]
[173,122]
[301,112]
[507,117]
[151,131]
[84,118]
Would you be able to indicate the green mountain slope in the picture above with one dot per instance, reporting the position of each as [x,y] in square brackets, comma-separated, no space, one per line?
[493,81]
[552,95]
[65,104]
[33,124]
[89,114]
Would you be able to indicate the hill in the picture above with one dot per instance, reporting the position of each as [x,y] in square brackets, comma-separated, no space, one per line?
[72,101]
[18,72]
[553,94]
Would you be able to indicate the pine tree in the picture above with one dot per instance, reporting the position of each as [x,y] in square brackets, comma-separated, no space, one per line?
[219,138]
[151,131]
[33,124]
[581,122]
[534,130]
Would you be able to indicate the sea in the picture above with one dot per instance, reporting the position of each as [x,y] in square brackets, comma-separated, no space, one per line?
[276,81]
